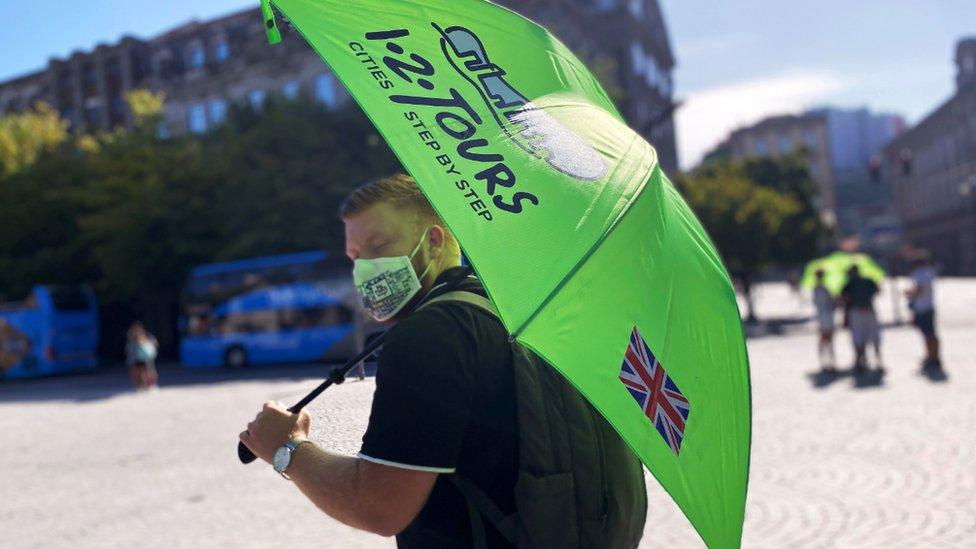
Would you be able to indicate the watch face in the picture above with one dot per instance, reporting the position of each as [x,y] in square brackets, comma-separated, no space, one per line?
[281,458]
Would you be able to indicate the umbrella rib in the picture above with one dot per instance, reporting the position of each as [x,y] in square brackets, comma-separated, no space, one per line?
[585,257]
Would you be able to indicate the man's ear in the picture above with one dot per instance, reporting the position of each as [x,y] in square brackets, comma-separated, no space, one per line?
[435,238]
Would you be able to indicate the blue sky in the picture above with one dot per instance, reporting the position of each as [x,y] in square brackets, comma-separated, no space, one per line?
[737,61]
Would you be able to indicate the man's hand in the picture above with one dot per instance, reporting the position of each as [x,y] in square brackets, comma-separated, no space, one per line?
[272,427]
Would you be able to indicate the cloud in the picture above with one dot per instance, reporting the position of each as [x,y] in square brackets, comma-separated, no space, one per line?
[707,116]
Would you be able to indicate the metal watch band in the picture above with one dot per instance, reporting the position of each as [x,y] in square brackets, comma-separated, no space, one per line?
[291,444]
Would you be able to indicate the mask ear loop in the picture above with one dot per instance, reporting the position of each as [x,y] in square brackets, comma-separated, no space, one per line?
[415,250]
[417,247]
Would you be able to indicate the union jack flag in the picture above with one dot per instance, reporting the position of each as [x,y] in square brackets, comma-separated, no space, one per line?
[654,391]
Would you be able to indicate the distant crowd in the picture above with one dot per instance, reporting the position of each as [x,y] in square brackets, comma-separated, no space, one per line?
[856,303]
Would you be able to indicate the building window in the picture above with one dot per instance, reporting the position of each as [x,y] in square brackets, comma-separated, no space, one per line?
[784,144]
[222,51]
[93,116]
[290,89]
[218,111]
[810,138]
[198,118]
[197,57]
[256,98]
[68,113]
[636,8]
[666,85]
[89,79]
[761,149]
[637,57]
[325,89]
[651,72]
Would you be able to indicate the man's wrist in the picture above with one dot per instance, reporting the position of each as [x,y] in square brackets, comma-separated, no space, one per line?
[303,446]
[284,457]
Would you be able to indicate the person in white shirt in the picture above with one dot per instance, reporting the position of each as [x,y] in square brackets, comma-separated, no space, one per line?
[921,299]
[825,304]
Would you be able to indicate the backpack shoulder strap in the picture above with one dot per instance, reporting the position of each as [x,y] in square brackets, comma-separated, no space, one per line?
[470,298]
[479,504]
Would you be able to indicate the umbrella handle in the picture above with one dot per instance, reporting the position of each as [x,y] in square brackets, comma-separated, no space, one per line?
[338,375]
[245,454]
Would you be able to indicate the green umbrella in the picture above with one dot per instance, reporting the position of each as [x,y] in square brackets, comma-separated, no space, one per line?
[590,255]
[835,267]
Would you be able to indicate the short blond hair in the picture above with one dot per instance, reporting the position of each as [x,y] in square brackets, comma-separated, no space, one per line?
[399,190]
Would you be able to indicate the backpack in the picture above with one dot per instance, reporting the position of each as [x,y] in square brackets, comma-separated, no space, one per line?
[579,484]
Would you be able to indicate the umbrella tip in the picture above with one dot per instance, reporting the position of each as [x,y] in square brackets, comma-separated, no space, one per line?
[270,25]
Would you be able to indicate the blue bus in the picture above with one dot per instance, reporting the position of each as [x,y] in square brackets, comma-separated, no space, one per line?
[298,307]
[54,330]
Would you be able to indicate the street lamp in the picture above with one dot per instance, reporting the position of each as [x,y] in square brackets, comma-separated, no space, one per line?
[967,190]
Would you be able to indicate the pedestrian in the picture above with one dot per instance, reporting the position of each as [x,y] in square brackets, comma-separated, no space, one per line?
[141,349]
[448,455]
[825,303]
[793,277]
[14,347]
[921,300]
[858,295]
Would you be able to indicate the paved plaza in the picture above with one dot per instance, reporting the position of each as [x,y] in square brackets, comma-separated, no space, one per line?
[870,462]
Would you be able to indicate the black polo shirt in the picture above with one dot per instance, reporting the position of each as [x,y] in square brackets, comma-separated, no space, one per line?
[860,293]
[445,402]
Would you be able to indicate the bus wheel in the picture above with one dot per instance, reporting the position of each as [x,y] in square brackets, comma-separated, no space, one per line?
[235,358]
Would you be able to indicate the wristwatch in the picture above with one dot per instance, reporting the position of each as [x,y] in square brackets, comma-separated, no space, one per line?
[282,456]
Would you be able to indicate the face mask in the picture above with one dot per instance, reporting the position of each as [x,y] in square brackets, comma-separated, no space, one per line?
[387,284]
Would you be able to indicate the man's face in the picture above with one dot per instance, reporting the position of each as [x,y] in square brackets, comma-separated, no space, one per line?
[382,230]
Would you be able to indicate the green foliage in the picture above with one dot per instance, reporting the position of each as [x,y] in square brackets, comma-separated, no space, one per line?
[130,213]
[146,106]
[759,213]
[803,231]
[25,136]
[283,177]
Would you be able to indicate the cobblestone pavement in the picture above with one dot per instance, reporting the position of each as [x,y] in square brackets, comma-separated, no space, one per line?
[87,463]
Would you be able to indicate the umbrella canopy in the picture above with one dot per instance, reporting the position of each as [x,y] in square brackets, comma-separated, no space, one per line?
[835,267]
[588,252]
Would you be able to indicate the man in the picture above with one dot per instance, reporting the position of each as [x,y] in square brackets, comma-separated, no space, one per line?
[858,295]
[921,299]
[445,397]
[825,304]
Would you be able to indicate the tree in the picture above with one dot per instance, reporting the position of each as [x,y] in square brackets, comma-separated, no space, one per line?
[38,231]
[759,213]
[282,173]
[146,107]
[130,212]
[802,232]
[25,136]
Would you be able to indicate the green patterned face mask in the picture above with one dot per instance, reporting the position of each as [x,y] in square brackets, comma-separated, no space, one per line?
[387,284]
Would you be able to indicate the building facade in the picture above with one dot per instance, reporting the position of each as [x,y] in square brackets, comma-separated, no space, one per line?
[783,135]
[933,171]
[842,149]
[864,201]
[204,67]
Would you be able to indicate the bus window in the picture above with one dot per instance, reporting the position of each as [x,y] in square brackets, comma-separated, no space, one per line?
[250,322]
